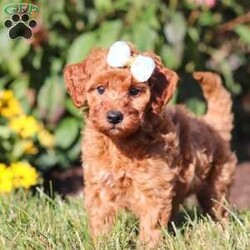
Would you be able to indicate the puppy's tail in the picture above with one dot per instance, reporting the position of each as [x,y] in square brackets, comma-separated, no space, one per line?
[219,103]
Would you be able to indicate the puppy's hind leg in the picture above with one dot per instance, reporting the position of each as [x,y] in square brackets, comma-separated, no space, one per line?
[215,191]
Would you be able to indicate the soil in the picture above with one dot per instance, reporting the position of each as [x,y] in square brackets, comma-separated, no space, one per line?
[64,182]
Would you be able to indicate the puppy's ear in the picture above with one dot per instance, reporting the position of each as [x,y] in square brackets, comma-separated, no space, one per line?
[162,83]
[75,79]
[77,75]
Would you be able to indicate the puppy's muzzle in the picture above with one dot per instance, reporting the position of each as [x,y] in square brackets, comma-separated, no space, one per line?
[114,117]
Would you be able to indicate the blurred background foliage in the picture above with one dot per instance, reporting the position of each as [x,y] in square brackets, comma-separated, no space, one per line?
[188,35]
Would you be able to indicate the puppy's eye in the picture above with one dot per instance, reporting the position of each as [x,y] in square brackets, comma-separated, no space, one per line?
[134,92]
[100,90]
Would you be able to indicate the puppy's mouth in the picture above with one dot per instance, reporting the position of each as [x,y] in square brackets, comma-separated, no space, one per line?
[120,131]
[114,126]
[114,130]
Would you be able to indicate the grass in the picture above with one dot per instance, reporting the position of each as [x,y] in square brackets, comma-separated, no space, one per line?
[39,222]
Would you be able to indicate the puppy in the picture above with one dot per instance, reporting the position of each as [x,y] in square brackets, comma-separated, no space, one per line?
[140,155]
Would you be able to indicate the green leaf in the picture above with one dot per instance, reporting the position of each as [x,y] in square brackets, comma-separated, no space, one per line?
[109,32]
[144,37]
[71,108]
[17,150]
[21,48]
[5,45]
[75,150]
[243,32]
[103,5]
[4,81]
[207,18]
[67,132]
[193,34]
[56,66]
[5,132]
[226,71]
[149,14]
[51,99]
[92,16]
[81,47]
[61,18]
[20,88]
[197,106]
[175,29]
[13,65]
[44,161]
[37,58]
[169,57]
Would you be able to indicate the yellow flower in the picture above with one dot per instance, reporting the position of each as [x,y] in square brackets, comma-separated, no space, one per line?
[46,139]
[25,126]
[29,147]
[5,179]
[18,174]
[24,175]
[9,105]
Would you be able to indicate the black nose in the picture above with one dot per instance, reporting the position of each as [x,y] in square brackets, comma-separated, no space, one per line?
[114,117]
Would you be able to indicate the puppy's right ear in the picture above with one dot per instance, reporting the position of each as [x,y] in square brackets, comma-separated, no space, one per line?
[75,79]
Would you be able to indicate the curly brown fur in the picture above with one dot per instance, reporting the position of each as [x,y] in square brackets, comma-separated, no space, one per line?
[156,156]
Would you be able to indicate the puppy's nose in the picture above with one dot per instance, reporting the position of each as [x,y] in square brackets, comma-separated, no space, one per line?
[114,117]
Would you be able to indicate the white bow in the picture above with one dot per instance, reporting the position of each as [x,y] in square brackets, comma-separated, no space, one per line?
[119,55]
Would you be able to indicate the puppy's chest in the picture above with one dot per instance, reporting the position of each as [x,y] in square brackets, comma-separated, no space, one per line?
[124,181]
[117,173]
[115,182]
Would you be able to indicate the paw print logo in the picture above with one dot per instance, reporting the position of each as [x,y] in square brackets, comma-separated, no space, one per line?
[20,26]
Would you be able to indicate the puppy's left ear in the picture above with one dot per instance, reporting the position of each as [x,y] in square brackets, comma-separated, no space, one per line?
[162,83]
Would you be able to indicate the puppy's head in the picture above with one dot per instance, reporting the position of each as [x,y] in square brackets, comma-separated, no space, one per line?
[117,103]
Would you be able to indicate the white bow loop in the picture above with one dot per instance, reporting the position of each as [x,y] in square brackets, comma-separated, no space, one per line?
[142,68]
[119,55]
